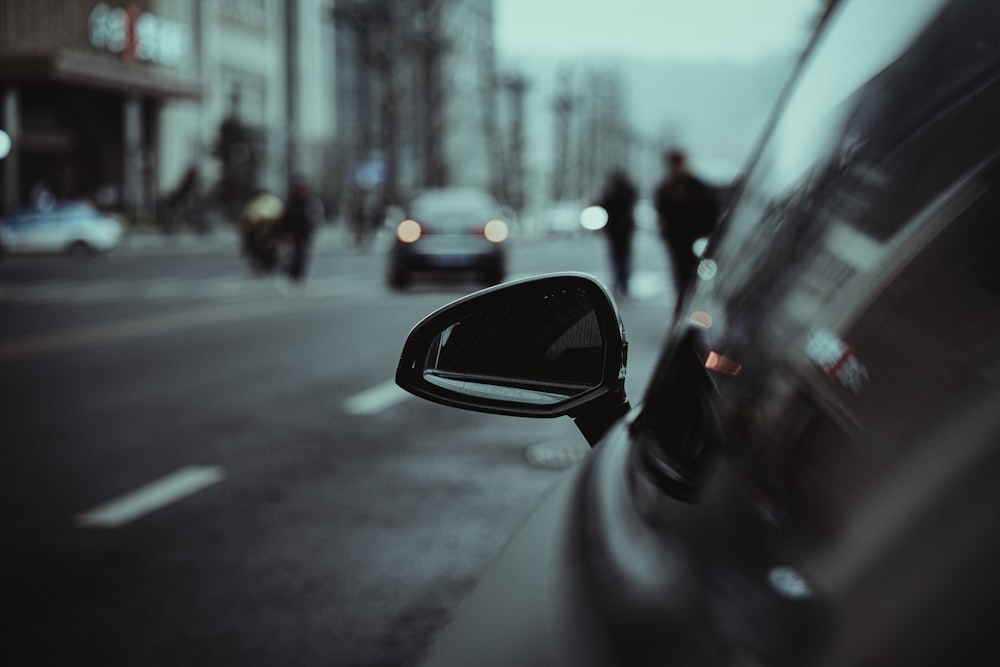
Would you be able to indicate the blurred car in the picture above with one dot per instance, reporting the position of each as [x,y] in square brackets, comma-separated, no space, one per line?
[450,230]
[61,227]
[813,474]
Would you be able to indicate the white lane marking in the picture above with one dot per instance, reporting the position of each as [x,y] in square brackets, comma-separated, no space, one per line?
[151,497]
[376,399]
[556,454]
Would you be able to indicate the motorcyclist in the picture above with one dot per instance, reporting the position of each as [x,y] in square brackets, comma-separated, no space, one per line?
[260,227]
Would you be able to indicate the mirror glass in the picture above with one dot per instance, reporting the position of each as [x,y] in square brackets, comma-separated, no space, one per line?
[538,343]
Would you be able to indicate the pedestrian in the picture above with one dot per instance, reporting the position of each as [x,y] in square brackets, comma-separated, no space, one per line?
[688,210]
[618,199]
[303,215]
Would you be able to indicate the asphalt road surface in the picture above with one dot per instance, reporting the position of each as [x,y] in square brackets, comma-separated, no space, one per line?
[197,468]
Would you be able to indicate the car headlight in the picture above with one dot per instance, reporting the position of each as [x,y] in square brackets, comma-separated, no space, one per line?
[408,231]
[496,231]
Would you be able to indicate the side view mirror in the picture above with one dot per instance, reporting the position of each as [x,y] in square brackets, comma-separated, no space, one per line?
[547,346]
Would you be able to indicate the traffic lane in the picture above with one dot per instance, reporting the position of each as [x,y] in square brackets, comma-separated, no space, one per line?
[36,269]
[340,562]
[179,397]
[110,389]
[320,456]
[110,398]
[23,275]
[43,308]
[455,487]
[526,254]
[424,608]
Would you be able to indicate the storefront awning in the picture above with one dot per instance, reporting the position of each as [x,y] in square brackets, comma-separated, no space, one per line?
[96,71]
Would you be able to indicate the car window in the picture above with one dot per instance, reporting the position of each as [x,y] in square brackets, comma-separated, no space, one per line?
[76,210]
[453,208]
[820,135]
[860,300]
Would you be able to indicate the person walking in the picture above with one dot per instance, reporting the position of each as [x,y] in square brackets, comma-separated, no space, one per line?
[688,210]
[618,199]
[302,217]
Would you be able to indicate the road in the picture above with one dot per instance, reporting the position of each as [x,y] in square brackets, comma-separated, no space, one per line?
[198,469]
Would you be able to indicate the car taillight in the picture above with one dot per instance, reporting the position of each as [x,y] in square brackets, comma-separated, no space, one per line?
[496,231]
[408,231]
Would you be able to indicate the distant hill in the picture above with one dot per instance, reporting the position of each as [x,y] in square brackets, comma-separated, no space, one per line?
[714,110]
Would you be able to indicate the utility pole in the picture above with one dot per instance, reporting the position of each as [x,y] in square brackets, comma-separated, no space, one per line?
[384,61]
[358,18]
[516,86]
[564,106]
[375,164]
[293,89]
[431,46]
[491,131]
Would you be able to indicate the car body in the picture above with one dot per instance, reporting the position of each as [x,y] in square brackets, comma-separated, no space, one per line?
[450,230]
[813,474]
[60,227]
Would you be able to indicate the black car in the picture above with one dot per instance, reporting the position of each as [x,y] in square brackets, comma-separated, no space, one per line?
[813,474]
[450,230]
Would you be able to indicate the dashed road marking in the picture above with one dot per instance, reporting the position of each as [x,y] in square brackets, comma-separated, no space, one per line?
[150,497]
[556,454]
[376,399]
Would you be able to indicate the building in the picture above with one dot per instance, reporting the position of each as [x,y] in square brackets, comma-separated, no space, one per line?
[416,91]
[119,100]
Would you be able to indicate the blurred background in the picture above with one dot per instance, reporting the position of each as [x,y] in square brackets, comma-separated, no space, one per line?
[143,105]
[198,466]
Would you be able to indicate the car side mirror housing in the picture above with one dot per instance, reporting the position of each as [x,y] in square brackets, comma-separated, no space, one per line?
[547,346]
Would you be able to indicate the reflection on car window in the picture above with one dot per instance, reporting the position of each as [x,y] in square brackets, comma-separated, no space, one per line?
[466,205]
[920,336]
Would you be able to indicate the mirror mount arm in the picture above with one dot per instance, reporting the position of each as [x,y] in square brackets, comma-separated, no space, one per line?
[598,416]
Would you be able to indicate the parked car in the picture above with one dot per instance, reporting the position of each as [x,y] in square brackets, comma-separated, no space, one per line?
[71,227]
[813,474]
[447,231]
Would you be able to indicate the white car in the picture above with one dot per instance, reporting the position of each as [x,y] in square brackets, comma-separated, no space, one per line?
[71,227]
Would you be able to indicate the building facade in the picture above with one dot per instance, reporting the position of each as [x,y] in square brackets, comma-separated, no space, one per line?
[416,92]
[120,100]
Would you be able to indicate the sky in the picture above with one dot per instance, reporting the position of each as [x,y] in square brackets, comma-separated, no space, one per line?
[737,31]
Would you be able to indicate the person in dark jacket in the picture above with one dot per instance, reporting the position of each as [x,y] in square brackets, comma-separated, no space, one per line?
[688,210]
[618,199]
[303,215]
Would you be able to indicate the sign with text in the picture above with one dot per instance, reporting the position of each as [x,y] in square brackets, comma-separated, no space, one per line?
[137,35]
